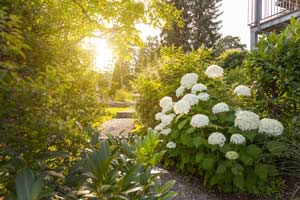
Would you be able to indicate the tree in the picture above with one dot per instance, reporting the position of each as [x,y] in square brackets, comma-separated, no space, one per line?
[147,54]
[200,24]
[228,42]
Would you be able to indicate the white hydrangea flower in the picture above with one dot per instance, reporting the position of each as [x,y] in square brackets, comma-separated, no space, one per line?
[182,107]
[199,120]
[188,80]
[232,155]
[167,119]
[171,145]
[191,98]
[216,138]
[242,90]
[166,131]
[237,139]
[246,120]
[203,96]
[166,102]
[237,111]
[158,116]
[198,88]
[270,127]
[220,107]
[180,91]
[214,71]
[167,109]
[159,127]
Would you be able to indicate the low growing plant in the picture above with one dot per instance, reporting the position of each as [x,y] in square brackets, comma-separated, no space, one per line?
[213,132]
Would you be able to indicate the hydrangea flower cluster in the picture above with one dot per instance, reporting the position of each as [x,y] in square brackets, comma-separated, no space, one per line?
[244,120]
[214,71]
[232,155]
[199,120]
[237,139]
[242,90]
[220,107]
[270,127]
[216,138]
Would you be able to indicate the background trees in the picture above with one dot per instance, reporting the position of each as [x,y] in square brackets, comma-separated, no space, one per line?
[200,25]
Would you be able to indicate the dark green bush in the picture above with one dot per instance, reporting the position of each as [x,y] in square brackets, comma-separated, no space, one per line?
[232,58]
[274,65]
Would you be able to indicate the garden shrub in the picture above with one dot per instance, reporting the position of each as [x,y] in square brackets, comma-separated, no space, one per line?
[155,81]
[110,169]
[274,65]
[232,58]
[212,130]
[123,95]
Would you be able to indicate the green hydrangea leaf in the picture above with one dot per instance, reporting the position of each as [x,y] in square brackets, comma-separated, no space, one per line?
[208,163]
[261,171]
[254,151]
[182,124]
[237,169]
[238,181]
[221,169]
[276,148]
[199,157]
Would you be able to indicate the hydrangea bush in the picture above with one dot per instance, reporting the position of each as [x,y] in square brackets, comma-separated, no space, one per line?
[213,132]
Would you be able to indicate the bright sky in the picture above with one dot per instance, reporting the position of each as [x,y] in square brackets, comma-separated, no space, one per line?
[234,19]
[234,22]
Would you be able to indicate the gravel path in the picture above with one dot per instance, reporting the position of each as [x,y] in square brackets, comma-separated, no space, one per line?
[117,126]
[191,188]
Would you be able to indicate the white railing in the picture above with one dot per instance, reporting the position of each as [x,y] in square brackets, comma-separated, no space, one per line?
[265,10]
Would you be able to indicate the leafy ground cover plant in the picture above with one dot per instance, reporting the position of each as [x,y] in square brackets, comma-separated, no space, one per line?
[111,169]
[212,131]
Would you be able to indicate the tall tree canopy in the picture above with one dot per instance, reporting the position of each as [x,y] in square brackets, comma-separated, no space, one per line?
[201,25]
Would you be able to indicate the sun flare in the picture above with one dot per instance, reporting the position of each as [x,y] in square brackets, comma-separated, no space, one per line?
[102,52]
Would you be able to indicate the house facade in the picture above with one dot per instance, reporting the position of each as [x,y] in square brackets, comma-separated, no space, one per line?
[265,16]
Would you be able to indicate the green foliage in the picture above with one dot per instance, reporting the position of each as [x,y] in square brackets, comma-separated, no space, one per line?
[110,169]
[157,81]
[251,172]
[232,58]
[48,90]
[29,186]
[226,43]
[201,25]
[123,95]
[274,64]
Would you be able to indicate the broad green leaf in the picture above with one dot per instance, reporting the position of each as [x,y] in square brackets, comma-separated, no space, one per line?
[261,171]
[250,135]
[221,169]
[239,182]
[182,124]
[208,163]
[190,130]
[197,141]
[254,151]
[185,139]
[199,157]
[246,158]
[237,169]
[276,148]
[28,185]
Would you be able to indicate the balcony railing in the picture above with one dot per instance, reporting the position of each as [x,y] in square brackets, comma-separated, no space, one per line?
[265,10]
